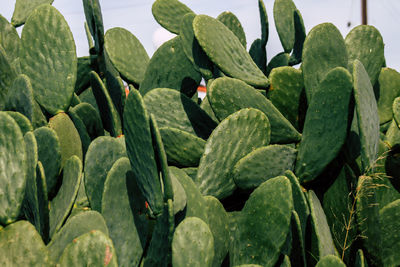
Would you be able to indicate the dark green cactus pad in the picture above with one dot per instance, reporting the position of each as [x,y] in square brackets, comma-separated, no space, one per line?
[367,113]
[91,118]
[13,170]
[337,204]
[159,74]
[191,172]
[21,245]
[159,252]
[39,119]
[127,228]
[192,49]
[192,244]
[299,201]
[316,150]
[126,53]
[74,227]
[247,129]
[169,14]
[61,204]
[297,253]
[365,43]
[232,22]
[196,205]
[368,219]
[81,128]
[7,76]
[389,89]
[396,110]
[259,55]
[23,8]
[183,113]
[284,23]
[49,153]
[82,75]
[287,95]
[100,157]
[212,34]
[139,146]
[390,219]
[182,148]
[360,259]
[262,164]
[93,248]
[264,22]
[75,100]
[227,95]
[20,97]
[324,49]
[22,121]
[87,96]
[48,45]
[116,88]
[300,36]
[36,204]
[217,221]
[10,41]
[321,237]
[205,105]
[259,240]
[94,20]
[109,114]
[280,60]
[68,136]
[180,197]
[392,135]
[330,261]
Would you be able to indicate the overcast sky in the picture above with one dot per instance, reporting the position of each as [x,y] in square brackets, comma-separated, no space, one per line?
[136,16]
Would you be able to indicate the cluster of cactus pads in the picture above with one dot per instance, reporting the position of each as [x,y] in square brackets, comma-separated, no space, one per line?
[290,161]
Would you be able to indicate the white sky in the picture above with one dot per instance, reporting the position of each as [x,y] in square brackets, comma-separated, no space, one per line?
[135,15]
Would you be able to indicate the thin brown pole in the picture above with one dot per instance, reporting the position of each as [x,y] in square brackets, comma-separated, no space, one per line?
[364,12]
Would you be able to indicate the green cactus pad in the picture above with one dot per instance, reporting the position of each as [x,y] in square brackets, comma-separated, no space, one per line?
[68,136]
[286,93]
[259,55]
[300,36]
[367,113]
[94,20]
[325,127]
[217,218]
[390,218]
[48,45]
[74,227]
[297,253]
[23,8]
[336,203]
[396,110]
[183,113]
[81,128]
[182,148]
[227,95]
[264,22]
[91,118]
[10,41]
[22,121]
[389,89]
[259,239]
[7,76]
[100,157]
[82,75]
[128,229]
[93,248]
[284,23]
[109,114]
[232,22]
[13,170]
[218,41]
[365,43]
[169,14]
[61,204]
[87,96]
[140,150]
[321,237]
[330,261]
[49,153]
[180,197]
[20,96]
[206,106]
[196,205]
[324,49]
[192,49]
[247,129]
[126,53]
[21,245]
[280,60]
[159,74]
[192,244]
[159,250]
